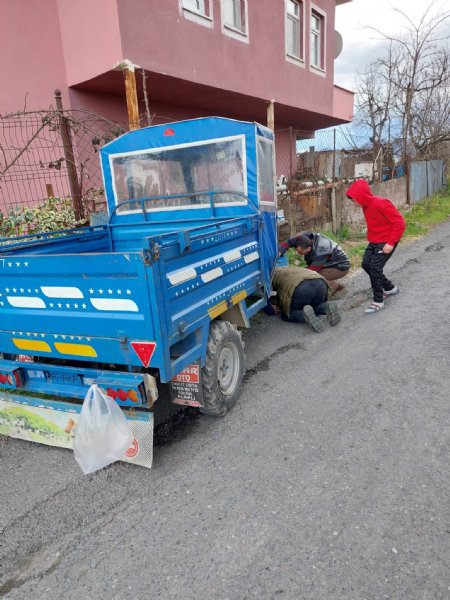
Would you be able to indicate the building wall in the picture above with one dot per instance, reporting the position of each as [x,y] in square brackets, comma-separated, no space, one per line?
[31,60]
[91,40]
[164,40]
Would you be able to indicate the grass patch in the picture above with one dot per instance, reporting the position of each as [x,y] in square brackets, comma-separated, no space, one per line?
[421,217]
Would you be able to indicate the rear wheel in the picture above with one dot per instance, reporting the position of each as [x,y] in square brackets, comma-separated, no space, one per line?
[224,369]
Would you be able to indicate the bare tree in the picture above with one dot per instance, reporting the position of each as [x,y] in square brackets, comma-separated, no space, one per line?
[404,91]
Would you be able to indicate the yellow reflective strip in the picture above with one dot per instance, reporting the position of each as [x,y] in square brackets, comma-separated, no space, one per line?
[38,346]
[218,309]
[76,349]
[238,297]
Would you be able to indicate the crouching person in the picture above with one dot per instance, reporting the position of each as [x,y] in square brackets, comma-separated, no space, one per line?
[302,296]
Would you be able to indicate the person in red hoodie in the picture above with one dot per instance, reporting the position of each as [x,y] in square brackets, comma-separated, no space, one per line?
[385,227]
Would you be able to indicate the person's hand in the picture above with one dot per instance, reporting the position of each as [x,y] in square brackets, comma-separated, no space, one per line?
[387,248]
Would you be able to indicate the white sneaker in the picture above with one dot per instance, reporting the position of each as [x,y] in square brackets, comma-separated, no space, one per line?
[392,292]
[374,307]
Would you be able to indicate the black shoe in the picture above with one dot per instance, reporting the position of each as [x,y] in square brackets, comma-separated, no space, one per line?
[333,313]
[312,319]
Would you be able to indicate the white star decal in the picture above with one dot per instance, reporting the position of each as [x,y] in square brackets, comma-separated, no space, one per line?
[128,292]
[91,291]
[100,291]
[22,290]
[119,292]
[67,305]
[14,290]
[59,305]
[7,290]
[25,264]
[75,305]
[9,264]
[83,305]
[110,291]
[51,305]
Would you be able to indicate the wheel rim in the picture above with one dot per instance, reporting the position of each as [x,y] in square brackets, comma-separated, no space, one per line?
[228,369]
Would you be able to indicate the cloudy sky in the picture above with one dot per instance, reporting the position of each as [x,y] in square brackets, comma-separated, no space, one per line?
[360,43]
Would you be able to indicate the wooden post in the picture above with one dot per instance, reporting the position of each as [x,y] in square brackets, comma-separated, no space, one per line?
[131,94]
[271,115]
[129,75]
[69,156]
[333,189]
[50,192]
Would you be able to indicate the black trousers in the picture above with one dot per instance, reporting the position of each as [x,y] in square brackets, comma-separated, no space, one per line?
[311,292]
[373,264]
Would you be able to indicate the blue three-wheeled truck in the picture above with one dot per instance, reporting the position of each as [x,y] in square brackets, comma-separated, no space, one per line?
[152,300]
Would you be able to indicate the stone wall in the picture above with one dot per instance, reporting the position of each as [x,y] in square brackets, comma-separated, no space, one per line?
[308,210]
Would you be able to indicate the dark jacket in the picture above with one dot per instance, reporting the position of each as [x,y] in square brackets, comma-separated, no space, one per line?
[286,279]
[384,222]
[323,254]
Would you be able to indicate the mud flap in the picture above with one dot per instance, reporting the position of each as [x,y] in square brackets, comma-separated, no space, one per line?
[54,423]
[186,387]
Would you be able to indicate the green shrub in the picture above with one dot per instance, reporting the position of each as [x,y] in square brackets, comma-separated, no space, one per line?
[52,214]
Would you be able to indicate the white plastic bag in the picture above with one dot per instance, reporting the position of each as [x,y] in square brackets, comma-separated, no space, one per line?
[103,434]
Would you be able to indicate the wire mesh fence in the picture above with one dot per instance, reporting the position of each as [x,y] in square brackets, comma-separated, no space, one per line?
[53,154]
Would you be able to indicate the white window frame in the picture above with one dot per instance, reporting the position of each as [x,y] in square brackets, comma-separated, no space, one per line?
[229,28]
[289,19]
[272,203]
[198,11]
[320,69]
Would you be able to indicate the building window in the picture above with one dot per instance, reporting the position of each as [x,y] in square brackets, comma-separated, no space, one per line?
[294,29]
[234,14]
[198,11]
[198,6]
[317,40]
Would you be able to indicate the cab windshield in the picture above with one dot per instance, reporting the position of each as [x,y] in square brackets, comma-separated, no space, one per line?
[181,176]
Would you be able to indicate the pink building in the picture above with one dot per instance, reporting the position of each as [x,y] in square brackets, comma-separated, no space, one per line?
[201,57]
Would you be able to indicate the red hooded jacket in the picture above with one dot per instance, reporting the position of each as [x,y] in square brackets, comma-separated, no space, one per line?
[384,222]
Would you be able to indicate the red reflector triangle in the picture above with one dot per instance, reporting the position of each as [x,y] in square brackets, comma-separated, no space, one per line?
[144,350]
[168,132]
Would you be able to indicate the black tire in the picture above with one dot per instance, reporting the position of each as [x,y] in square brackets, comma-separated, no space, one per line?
[224,369]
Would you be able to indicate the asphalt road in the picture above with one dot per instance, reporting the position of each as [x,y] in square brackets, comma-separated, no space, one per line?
[329,480]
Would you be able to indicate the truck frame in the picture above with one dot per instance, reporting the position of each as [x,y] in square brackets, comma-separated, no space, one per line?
[150,304]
